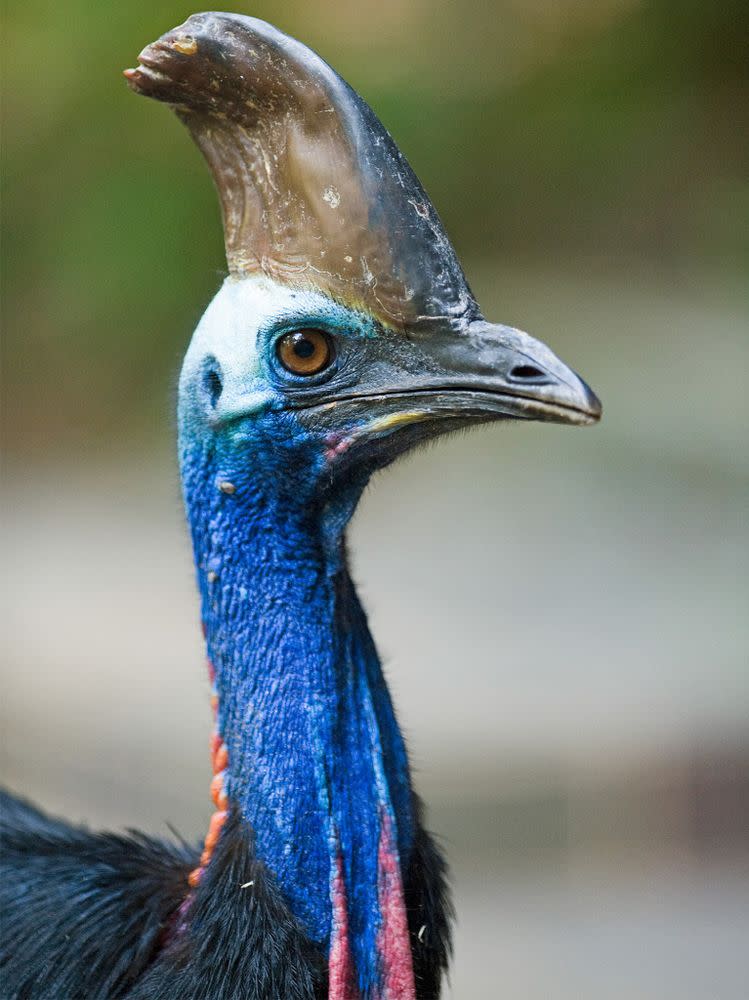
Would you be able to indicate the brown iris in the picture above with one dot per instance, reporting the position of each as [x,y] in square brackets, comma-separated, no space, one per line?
[305,352]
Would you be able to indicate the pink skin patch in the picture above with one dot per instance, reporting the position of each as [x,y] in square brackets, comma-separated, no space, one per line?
[341,980]
[393,942]
[337,445]
[393,939]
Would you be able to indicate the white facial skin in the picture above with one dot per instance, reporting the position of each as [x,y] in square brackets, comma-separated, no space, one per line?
[235,330]
[228,331]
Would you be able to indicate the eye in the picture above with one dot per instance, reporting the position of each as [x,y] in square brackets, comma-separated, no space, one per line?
[305,352]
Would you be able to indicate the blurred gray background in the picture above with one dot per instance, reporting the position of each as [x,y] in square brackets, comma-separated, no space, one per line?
[563,614]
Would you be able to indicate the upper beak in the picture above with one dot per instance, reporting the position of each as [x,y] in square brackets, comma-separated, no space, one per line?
[509,373]
[484,372]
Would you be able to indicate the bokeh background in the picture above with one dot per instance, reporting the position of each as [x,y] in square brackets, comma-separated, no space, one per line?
[563,613]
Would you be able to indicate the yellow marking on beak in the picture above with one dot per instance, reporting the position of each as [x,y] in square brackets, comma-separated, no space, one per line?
[393,420]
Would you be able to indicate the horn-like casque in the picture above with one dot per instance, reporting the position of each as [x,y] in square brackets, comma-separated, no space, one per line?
[313,189]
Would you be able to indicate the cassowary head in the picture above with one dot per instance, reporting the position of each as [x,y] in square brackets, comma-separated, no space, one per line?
[345,332]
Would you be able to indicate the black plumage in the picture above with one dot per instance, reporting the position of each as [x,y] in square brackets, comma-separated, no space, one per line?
[95,916]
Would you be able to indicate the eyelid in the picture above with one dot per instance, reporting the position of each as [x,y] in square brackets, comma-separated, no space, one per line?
[346,326]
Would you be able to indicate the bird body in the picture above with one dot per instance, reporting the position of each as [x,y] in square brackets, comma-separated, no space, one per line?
[344,335]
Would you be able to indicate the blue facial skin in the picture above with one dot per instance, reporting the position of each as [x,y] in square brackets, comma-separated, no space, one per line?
[316,759]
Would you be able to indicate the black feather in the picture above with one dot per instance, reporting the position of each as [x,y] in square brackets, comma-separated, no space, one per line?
[101,917]
[82,913]
[238,943]
[430,912]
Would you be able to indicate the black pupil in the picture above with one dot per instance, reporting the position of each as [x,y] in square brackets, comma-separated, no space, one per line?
[304,348]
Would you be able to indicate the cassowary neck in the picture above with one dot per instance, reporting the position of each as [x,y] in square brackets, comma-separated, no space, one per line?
[316,763]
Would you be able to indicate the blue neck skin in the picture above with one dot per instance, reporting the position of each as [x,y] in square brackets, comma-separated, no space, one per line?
[317,764]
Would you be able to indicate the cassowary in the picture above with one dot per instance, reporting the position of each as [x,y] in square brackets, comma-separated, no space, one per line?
[344,335]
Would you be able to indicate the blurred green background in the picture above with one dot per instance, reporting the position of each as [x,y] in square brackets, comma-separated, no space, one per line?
[564,614]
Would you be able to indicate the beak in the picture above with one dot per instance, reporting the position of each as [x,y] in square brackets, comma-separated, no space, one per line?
[445,381]
[485,372]
[495,370]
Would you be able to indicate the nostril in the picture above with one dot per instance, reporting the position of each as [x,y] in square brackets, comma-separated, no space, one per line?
[213,383]
[526,372]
